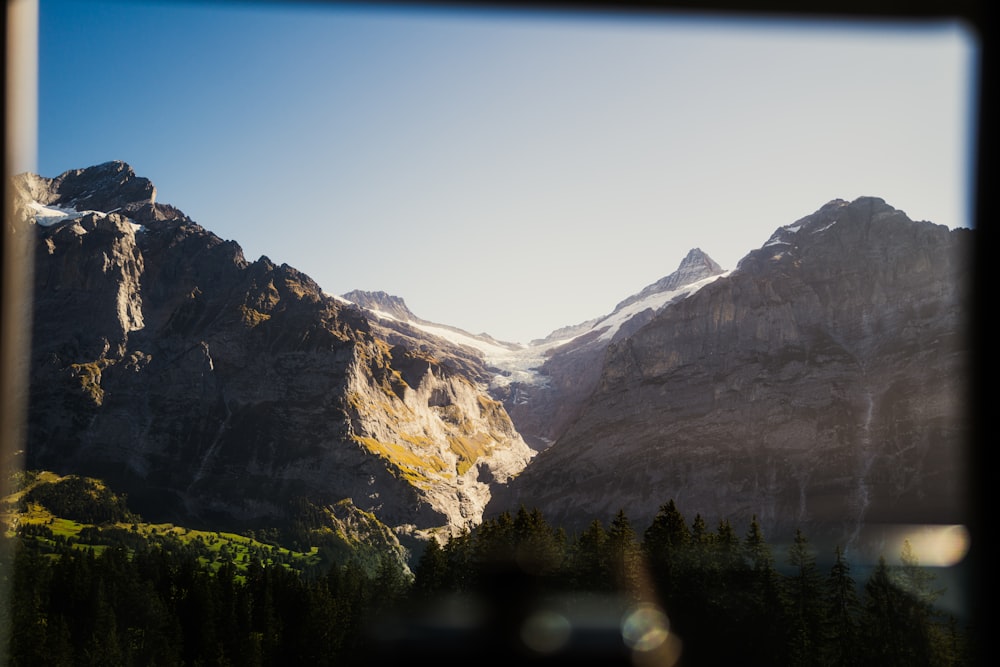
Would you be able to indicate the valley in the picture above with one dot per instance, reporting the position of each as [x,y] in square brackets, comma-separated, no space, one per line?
[820,384]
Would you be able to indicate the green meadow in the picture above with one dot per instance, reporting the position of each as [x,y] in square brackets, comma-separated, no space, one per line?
[51,510]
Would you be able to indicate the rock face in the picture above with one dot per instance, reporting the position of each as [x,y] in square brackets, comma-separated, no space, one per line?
[382,302]
[106,187]
[821,385]
[391,319]
[544,406]
[541,385]
[216,390]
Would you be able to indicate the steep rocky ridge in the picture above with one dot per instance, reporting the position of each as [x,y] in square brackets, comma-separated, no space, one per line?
[543,405]
[381,302]
[820,385]
[214,389]
[393,321]
[542,384]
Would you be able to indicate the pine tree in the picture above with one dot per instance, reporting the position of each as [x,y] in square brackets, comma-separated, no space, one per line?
[728,550]
[589,562]
[58,648]
[884,635]
[806,617]
[266,625]
[538,548]
[841,634]
[29,590]
[666,542]
[624,557]
[764,602]
[756,550]
[103,649]
[460,565]
[900,625]
[731,569]
[350,600]
[702,567]
[929,629]
[389,584]
[430,575]
[701,538]
[694,609]
[495,541]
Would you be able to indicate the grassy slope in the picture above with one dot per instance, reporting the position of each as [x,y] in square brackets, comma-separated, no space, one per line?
[37,523]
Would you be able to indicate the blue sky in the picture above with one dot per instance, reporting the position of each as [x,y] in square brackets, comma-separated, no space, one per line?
[504,172]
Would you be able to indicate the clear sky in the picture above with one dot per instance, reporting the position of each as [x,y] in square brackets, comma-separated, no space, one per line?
[504,172]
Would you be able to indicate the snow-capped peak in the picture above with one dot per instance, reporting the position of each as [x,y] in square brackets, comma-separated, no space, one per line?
[654,301]
[518,362]
[47,215]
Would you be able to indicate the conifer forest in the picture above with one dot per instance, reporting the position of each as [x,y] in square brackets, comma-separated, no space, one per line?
[515,590]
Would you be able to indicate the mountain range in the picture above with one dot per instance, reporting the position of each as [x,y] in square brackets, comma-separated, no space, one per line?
[822,385]
[819,384]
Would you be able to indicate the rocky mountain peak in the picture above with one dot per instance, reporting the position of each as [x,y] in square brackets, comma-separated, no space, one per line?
[818,386]
[224,392]
[851,220]
[381,301]
[107,187]
[103,187]
[570,370]
[697,257]
[695,266]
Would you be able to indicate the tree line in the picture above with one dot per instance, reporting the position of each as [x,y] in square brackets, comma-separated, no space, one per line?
[729,599]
